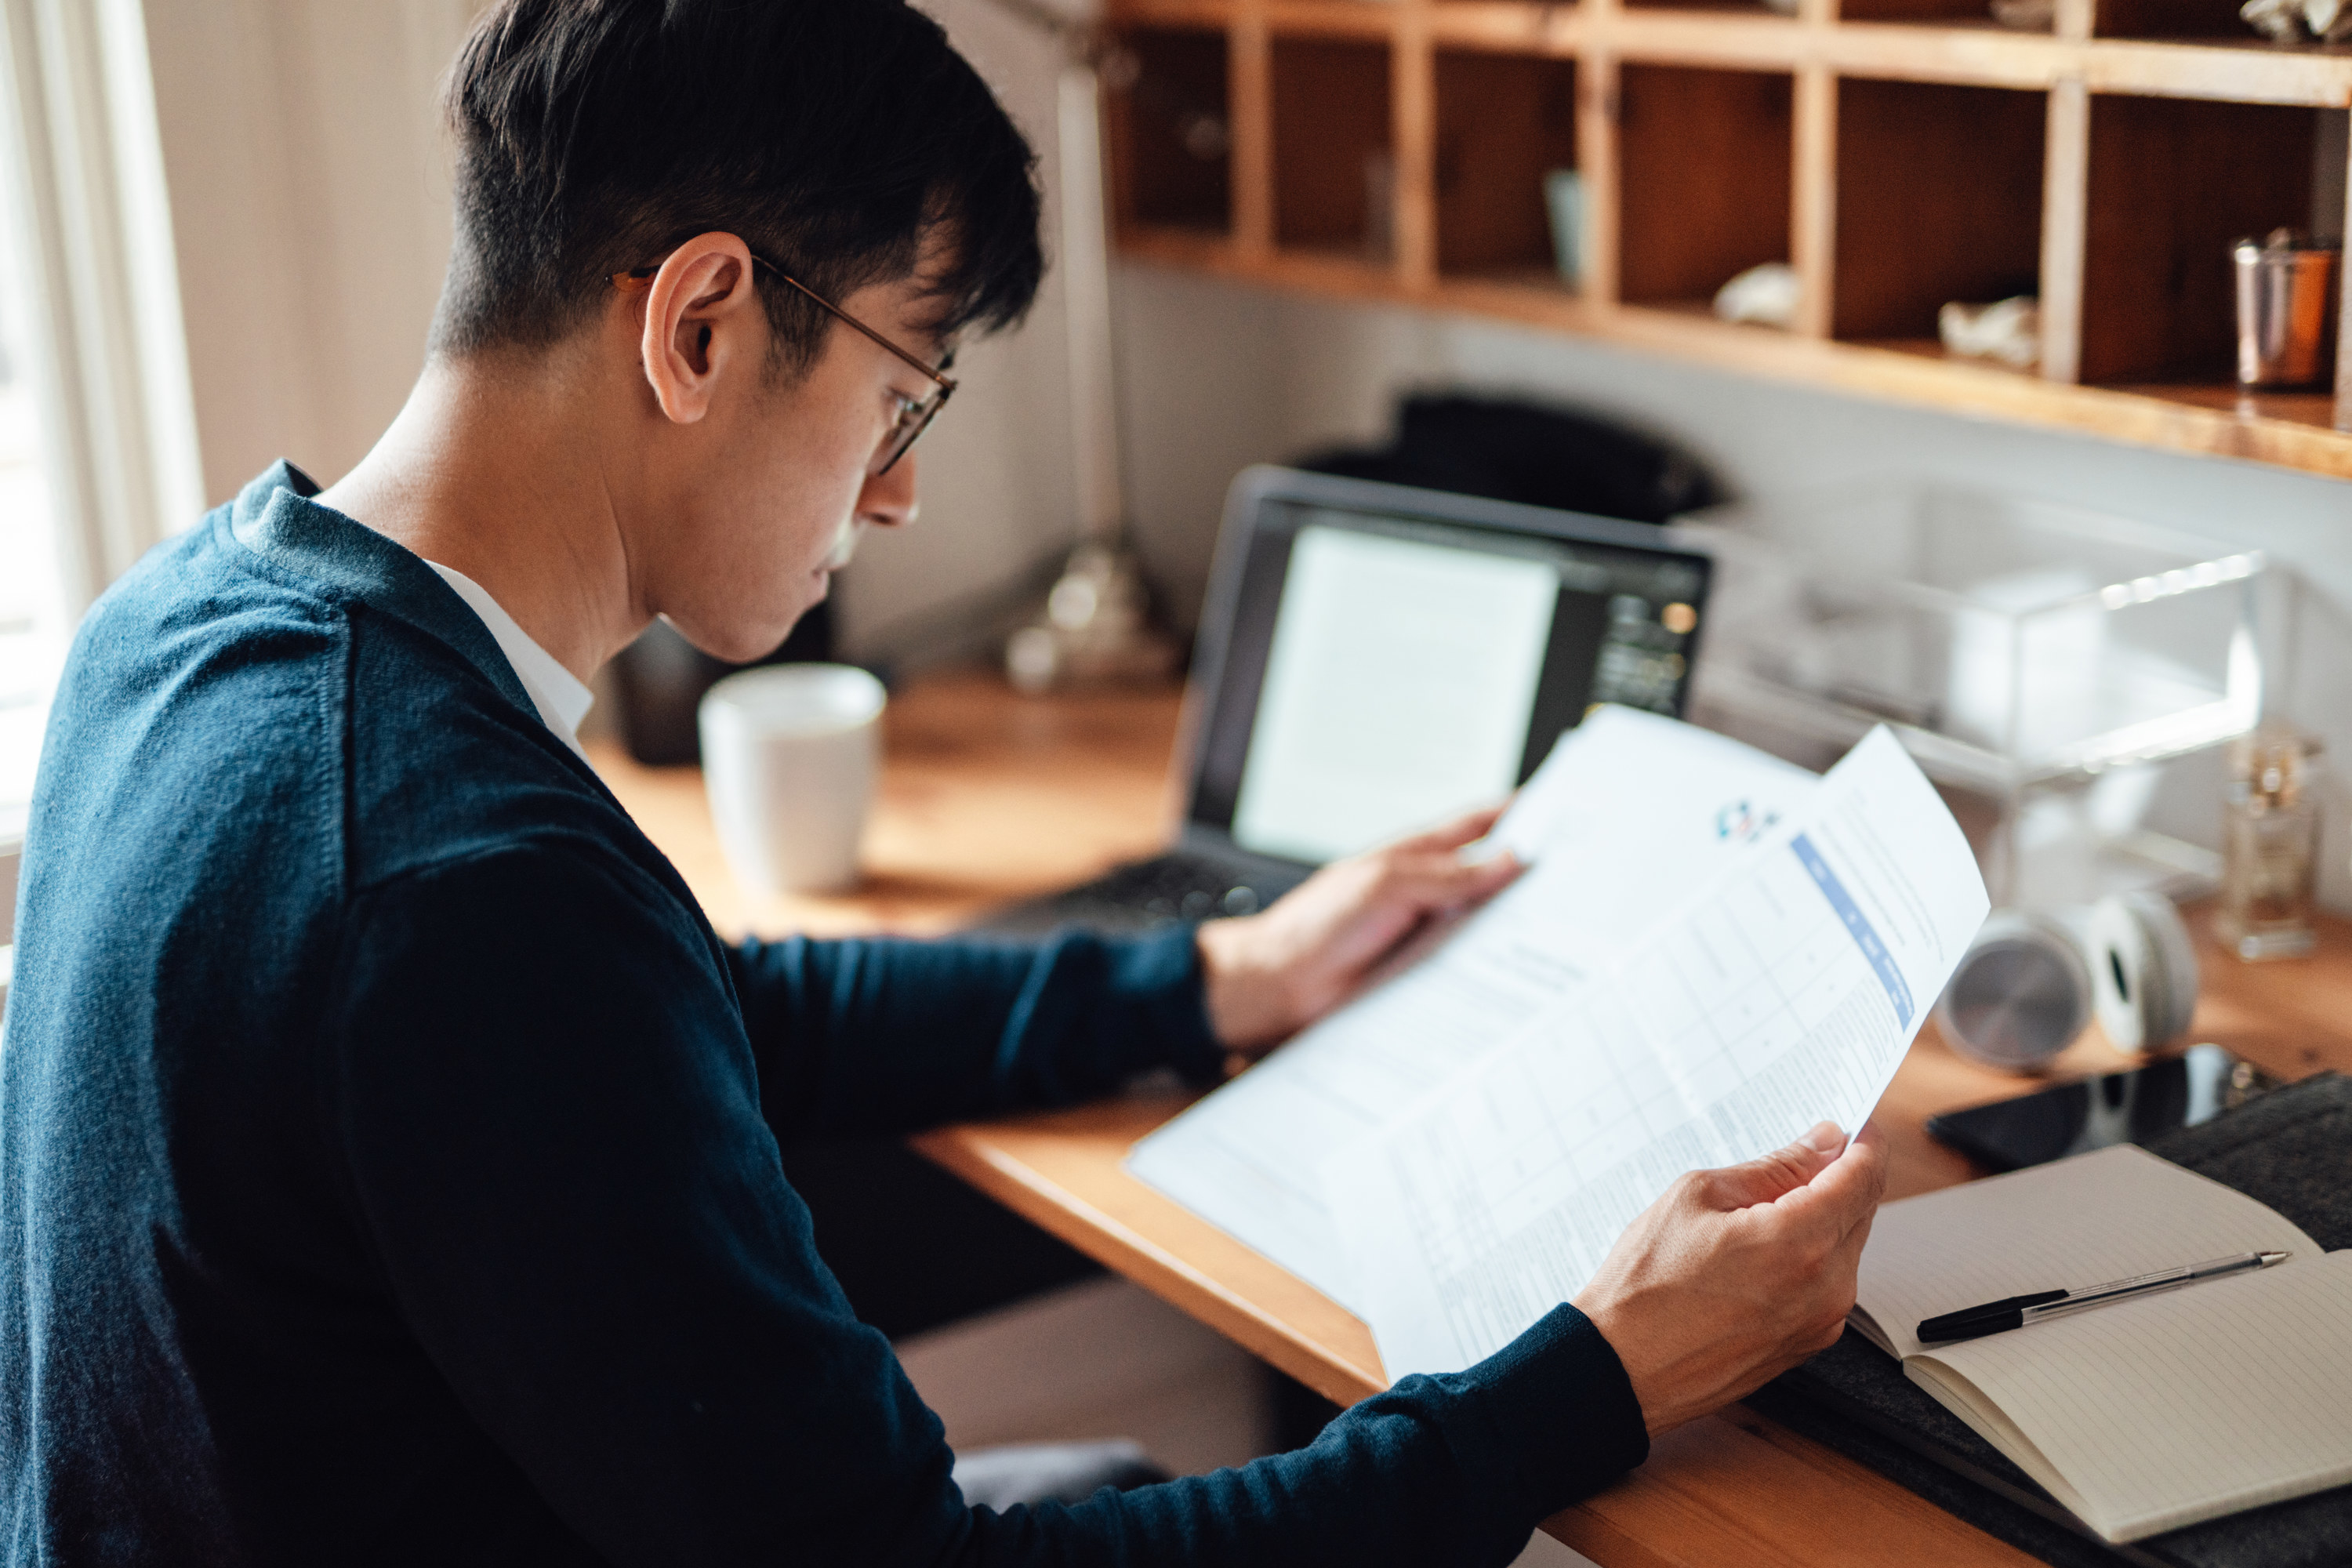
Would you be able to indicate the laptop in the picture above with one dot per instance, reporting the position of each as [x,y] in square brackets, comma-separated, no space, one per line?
[1374,659]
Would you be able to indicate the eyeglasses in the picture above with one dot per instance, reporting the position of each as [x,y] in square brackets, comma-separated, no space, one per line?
[915,415]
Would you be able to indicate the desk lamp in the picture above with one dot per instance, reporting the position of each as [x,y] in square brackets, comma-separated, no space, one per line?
[1094,626]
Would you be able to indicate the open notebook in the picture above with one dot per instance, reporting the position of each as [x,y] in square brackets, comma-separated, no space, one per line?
[2148,1414]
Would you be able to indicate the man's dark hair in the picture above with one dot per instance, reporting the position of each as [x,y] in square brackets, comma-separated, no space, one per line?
[833,136]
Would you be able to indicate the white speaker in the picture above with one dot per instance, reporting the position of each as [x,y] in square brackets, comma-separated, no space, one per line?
[2021,994]
[2143,970]
[2033,978]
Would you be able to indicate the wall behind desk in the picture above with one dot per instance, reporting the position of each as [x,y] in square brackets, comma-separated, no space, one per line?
[309,191]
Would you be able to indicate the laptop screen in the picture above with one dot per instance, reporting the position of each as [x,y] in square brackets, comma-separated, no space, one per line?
[1386,671]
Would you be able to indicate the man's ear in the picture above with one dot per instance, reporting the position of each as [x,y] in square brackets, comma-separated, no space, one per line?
[703,320]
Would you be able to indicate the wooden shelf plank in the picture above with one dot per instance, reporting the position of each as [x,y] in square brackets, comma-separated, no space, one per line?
[1173,13]
[1507,24]
[1976,54]
[1331,18]
[2247,69]
[2290,430]
[2311,410]
[1743,40]
[1528,296]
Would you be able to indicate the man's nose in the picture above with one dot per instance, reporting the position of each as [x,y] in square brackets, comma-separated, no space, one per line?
[888,499]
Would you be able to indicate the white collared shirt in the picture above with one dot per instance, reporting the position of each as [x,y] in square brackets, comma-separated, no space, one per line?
[561,698]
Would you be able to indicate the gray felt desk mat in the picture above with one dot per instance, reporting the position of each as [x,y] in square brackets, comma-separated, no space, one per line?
[2291,1149]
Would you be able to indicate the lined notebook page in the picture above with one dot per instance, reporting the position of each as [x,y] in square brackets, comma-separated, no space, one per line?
[2075,1223]
[2183,1406]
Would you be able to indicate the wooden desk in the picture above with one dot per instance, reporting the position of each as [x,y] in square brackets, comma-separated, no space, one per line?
[987,797]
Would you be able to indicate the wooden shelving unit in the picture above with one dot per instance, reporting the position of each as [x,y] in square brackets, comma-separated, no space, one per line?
[1897,154]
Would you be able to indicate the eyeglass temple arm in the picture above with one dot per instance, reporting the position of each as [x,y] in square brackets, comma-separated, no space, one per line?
[946,382]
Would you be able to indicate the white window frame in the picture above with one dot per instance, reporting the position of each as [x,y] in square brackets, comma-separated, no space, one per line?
[94,221]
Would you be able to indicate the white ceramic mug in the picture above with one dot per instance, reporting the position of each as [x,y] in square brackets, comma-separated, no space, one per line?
[789,757]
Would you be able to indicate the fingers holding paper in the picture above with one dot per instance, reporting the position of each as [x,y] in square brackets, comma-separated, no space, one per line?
[1735,1275]
[1266,976]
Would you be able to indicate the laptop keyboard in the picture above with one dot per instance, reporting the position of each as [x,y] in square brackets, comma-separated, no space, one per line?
[1148,894]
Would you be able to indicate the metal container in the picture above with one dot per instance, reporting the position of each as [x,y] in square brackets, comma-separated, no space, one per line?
[2286,311]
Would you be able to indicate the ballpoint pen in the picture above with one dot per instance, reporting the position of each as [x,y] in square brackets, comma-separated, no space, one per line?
[1997,1316]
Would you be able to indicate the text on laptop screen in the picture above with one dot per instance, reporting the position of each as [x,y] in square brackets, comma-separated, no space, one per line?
[1417,669]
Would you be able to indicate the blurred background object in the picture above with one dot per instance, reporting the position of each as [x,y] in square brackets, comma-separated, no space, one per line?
[2008,329]
[2034,978]
[1516,450]
[2299,21]
[2020,995]
[2286,309]
[2144,975]
[1765,295]
[1564,207]
[2270,843]
[2025,15]
[2048,667]
[1095,625]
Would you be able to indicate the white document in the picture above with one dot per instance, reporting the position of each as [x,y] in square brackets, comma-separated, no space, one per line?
[1783,993]
[1629,813]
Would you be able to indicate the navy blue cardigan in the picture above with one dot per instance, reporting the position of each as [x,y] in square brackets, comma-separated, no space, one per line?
[388,1163]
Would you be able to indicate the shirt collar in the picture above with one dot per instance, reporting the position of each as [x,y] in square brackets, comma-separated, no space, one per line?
[561,697]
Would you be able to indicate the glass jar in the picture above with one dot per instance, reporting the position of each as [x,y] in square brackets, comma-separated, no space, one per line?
[2270,843]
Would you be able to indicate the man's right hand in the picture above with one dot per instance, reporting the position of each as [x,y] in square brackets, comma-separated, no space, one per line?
[1735,1276]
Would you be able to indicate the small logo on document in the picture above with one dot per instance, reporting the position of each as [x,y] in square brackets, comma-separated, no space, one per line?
[1743,822]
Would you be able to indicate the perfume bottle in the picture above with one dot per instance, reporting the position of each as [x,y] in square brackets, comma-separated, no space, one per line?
[2270,843]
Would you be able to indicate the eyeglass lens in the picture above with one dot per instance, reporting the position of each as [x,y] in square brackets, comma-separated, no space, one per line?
[913,420]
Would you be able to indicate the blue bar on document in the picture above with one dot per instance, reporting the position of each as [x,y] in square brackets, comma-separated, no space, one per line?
[1858,926]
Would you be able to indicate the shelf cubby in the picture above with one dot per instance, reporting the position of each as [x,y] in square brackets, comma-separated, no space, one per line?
[2172,182]
[1704,158]
[1940,196]
[1504,122]
[1935,13]
[1334,169]
[1171,140]
[2214,21]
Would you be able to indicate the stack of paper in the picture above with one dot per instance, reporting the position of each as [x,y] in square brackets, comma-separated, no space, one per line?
[1711,953]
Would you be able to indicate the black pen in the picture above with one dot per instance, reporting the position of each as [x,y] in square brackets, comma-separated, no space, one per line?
[1997,1316]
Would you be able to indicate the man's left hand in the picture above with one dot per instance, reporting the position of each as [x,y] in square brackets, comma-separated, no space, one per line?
[1268,975]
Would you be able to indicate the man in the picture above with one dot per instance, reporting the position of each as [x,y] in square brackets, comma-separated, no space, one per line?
[388,1164]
